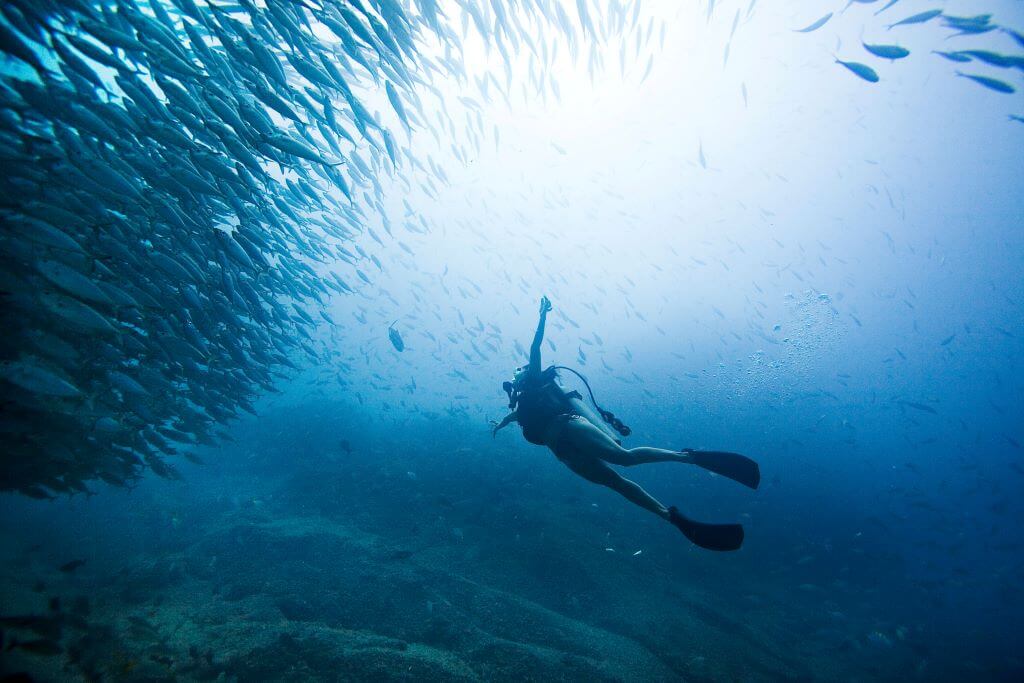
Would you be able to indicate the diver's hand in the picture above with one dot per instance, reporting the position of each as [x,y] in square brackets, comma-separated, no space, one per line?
[545,305]
[494,428]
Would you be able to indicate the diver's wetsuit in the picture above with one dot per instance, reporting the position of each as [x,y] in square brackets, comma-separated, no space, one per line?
[543,407]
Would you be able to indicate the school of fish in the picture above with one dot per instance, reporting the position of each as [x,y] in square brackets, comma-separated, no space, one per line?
[960,26]
[183,180]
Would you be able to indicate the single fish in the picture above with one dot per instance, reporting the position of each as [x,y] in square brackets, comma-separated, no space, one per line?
[952,56]
[863,71]
[396,338]
[887,6]
[993,84]
[30,375]
[1016,35]
[71,566]
[815,25]
[918,18]
[887,51]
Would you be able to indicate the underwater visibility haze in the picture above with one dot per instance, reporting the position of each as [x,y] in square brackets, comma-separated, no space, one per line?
[281,281]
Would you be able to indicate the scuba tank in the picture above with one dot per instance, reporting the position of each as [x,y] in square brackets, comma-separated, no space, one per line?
[606,415]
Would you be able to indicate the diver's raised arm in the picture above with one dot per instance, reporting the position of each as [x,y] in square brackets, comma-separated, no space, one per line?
[538,336]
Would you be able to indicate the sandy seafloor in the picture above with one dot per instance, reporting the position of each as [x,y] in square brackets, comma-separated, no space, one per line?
[433,554]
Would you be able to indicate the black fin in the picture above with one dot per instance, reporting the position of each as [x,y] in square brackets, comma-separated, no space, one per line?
[721,537]
[737,467]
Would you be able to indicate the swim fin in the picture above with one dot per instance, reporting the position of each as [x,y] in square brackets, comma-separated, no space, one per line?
[732,465]
[721,537]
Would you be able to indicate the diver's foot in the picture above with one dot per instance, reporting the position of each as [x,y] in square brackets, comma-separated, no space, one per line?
[722,537]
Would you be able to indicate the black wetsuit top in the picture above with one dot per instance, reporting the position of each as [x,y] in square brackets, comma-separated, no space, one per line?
[540,402]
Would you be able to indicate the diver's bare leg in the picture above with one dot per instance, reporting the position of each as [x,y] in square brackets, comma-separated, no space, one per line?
[592,439]
[643,454]
[594,470]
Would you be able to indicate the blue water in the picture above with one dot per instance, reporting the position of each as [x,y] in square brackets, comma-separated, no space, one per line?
[755,251]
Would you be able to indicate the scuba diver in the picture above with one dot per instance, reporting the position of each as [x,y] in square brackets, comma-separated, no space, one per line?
[550,416]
